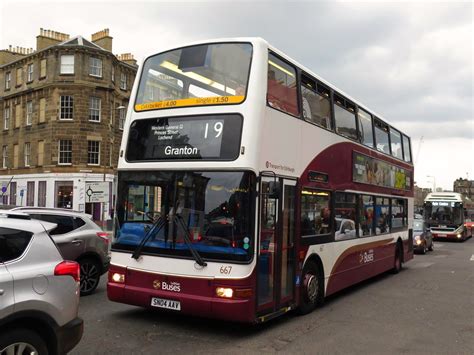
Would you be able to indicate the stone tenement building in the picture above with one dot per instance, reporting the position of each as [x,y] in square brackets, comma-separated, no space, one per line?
[465,187]
[62,109]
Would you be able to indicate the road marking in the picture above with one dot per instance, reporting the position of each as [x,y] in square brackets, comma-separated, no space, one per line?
[438,245]
[440,256]
[472,258]
[422,265]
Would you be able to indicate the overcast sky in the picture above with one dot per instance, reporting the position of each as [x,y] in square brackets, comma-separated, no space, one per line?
[411,62]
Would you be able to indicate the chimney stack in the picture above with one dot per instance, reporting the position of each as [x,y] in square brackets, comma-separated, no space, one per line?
[102,39]
[49,38]
[127,58]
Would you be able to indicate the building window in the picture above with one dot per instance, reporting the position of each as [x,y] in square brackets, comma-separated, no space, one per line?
[18,114]
[27,153]
[65,152]
[113,73]
[67,64]
[94,109]
[93,152]
[5,156]
[40,153]
[95,67]
[13,193]
[30,193]
[29,113]
[41,193]
[6,118]
[15,156]
[30,72]
[123,81]
[122,113]
[43,68]
[112,114]
[42,109]
[67,108]
[8,80]
[111,154]
[19,76]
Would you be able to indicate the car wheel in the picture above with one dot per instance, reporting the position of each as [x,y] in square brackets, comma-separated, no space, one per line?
[397,262]
[311,294]
[21,341]
[90,275]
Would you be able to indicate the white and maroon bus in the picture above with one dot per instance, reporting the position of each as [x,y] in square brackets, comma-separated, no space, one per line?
[445,216]
[248,186]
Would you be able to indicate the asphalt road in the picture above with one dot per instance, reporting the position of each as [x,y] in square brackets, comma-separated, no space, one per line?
[428,308]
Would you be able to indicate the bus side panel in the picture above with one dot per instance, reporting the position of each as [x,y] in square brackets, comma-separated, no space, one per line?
[360,262]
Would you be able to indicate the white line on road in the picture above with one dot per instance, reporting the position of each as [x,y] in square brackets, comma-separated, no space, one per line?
[422,265]
[472,258]
[438,245]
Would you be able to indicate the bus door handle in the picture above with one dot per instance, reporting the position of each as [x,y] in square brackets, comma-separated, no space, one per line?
[76,242]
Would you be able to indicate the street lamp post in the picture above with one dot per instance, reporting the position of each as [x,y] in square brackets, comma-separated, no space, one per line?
[434,181]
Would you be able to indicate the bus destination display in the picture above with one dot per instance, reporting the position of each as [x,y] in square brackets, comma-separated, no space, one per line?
[214,137]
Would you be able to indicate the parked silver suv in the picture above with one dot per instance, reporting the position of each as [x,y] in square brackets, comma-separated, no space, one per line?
[78,239]
[39,291]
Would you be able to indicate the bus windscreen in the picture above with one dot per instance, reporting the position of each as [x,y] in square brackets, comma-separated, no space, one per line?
[210,74]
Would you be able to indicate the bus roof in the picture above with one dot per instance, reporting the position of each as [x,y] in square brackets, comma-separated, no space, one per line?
[262,41]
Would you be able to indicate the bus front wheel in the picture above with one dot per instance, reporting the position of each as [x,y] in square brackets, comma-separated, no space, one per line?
[311,293]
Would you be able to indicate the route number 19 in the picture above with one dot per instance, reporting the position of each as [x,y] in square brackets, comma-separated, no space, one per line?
[218,127]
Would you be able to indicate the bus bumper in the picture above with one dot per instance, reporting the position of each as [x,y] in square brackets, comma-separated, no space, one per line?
[195,297]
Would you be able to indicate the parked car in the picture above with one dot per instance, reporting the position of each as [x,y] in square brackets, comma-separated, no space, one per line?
[418,216]
[422,237]
[345,229]
[78,239]
[39,291]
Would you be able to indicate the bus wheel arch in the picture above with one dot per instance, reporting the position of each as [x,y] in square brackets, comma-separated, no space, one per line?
[312,285]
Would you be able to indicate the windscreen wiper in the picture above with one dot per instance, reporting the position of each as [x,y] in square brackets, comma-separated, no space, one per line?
[158,224]
[196,255]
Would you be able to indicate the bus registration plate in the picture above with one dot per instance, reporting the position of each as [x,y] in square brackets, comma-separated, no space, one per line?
[168,304]
[441,235]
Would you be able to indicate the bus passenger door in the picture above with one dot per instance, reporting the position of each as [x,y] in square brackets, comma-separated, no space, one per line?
[276,264]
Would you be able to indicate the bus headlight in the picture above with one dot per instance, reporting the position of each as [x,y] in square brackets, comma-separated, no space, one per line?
[119,278]
[459,235]
[224,292]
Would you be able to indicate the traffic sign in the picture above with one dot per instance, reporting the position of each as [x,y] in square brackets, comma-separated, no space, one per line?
[97,192]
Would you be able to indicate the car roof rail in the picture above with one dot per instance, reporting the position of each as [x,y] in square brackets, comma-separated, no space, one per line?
[14,215]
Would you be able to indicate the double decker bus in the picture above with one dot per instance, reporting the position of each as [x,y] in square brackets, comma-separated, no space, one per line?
[248,186]
[444,213]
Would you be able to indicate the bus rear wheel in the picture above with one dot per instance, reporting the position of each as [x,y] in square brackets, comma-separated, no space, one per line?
[397,264]
[311,294]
